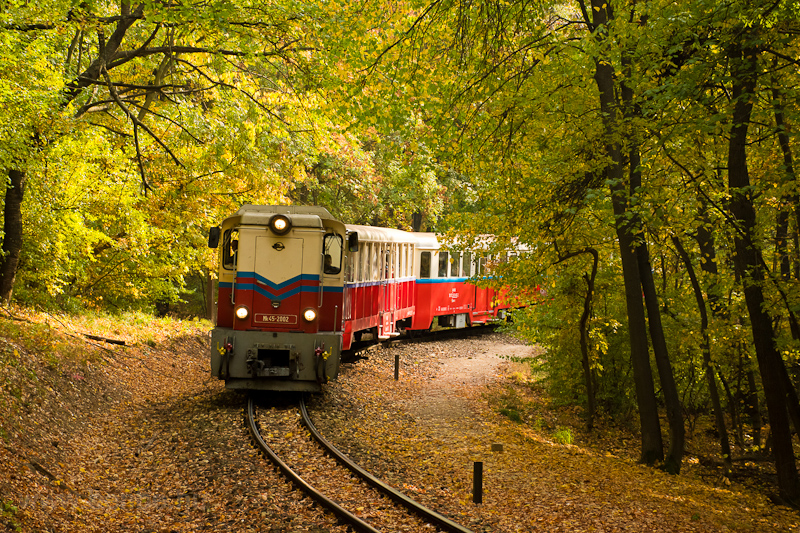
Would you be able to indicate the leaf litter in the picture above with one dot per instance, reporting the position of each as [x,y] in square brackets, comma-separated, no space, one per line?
[424,432]
[140,438]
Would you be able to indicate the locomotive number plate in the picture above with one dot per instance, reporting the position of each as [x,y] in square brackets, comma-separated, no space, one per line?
[276,319]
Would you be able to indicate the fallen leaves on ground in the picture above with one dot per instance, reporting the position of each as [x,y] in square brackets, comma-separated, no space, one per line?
[424,432]
[103,437]
[132,438]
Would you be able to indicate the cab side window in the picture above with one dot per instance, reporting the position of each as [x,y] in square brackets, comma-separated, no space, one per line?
[332,247]
[230,249]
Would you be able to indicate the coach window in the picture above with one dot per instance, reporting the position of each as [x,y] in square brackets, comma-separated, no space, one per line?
[455,262]
[230,248]
[363,274]
[332,253]
[425,265]
[348,268]
[443,256]
[353,263]
[376,262]
[377,267]
[466,263]
[366,272]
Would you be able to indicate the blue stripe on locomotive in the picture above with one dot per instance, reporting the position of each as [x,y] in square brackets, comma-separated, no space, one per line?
[279,291]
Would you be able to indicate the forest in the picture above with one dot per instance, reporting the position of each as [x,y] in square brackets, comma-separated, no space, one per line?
[641,152]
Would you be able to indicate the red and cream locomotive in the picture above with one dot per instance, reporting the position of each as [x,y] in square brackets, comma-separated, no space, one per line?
[296,287]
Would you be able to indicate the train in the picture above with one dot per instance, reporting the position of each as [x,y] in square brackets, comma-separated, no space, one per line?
[296,287]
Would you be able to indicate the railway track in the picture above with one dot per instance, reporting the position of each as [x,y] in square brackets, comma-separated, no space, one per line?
[288,437]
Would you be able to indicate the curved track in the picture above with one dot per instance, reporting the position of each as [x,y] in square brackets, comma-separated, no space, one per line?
[423,515]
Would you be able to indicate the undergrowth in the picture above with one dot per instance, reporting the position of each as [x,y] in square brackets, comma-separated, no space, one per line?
[8,512]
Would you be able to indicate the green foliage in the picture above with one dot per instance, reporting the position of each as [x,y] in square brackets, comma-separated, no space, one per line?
[553,323]
[8,513]
[508,91]
[232,118]
[254,104]
[563,436]
[512,414]
[473,118]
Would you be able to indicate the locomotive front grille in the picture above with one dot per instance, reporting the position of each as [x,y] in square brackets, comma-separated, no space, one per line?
[272,360]
[275,357]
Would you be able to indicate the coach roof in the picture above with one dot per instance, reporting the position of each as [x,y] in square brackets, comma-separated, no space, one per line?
[375,234]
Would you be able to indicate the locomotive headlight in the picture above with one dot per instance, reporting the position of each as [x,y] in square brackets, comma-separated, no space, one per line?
[242,312]
[280,224]
[309,315]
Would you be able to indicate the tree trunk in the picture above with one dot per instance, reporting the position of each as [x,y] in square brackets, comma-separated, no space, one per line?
[12,231]
[604,77]
[652,444]
[748,260]
[589,376]
[781,244]
[708,367]
[752,406]
[677,431]
[782,223]
[708,263]
[416,221]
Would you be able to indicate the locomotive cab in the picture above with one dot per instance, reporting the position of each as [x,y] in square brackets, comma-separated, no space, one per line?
[279,308]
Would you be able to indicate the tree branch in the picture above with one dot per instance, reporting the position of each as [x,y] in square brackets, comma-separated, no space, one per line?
[137,124]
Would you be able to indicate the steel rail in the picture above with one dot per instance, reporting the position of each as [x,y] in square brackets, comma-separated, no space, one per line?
[348,517]
[427,514]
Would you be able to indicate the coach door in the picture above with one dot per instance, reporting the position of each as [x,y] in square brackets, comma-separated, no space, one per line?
[481,293]
[382,285]
[278,280]
[385,305]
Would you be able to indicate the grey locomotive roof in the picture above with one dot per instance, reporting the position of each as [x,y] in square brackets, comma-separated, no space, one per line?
[286,210]
[302,216]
